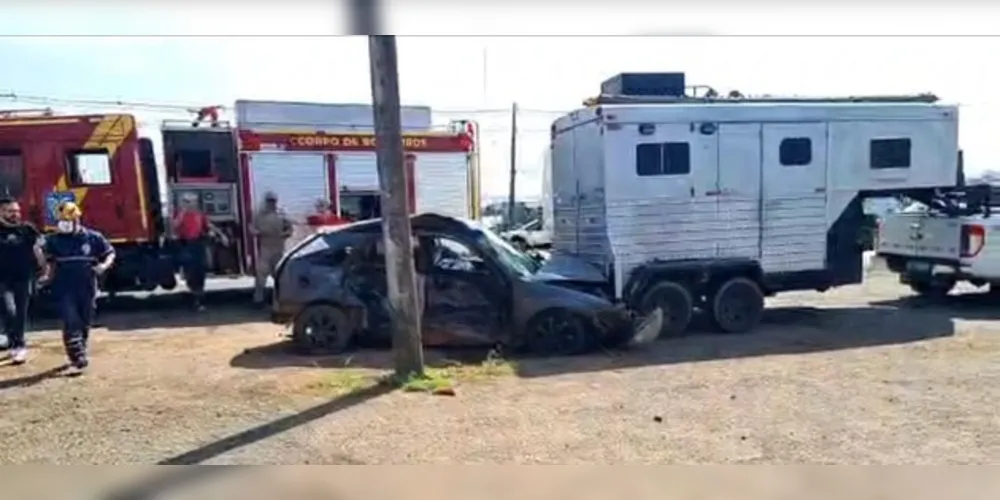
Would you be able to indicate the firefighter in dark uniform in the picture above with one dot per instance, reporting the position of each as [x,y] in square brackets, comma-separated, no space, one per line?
[79,256]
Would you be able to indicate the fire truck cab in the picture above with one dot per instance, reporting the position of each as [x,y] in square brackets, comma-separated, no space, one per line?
[98,162]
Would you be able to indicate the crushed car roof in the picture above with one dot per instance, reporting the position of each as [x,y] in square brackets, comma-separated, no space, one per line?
[428,220]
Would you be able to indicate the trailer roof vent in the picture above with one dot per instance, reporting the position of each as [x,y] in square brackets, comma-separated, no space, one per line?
[645,84]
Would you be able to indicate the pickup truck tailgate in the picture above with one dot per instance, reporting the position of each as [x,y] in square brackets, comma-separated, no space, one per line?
[920,235]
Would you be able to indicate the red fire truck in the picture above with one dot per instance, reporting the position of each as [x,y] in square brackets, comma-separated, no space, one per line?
[100,162]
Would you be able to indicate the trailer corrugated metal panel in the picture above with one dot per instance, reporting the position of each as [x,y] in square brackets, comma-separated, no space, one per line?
[278,115]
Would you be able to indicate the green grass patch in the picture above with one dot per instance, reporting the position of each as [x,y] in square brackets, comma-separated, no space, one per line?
[438,378]
[341,381]
[443,378]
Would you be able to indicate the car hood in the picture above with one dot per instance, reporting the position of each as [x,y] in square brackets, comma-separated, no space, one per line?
[559,267]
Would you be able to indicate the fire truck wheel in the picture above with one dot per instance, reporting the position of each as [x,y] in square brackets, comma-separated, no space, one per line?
[737,305]
[676,303]
[321,328]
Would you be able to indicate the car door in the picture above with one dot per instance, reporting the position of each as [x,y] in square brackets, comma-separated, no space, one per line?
[466,299]
[365,278]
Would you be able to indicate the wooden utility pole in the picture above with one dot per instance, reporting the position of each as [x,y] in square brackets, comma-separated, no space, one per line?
[511,194]
[392,179]
[365,17]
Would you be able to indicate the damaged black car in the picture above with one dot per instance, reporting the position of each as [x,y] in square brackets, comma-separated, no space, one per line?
[474,289]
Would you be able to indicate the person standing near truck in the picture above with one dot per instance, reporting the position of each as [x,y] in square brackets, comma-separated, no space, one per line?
[20,256]
[272,228]
[191,226]
[80,255]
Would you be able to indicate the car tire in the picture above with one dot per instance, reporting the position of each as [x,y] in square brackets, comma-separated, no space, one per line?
[558,332]
[676,303]
[934,289]
[736,306]
[321,328]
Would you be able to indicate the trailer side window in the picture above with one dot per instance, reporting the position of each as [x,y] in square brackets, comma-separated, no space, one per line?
[795,151]
[889,153]
[89,168]
[11,173]
[667,158]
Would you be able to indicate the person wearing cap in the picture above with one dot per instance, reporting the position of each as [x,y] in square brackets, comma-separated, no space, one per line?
[79,256]
[192,229]
[271,227]
[20,257]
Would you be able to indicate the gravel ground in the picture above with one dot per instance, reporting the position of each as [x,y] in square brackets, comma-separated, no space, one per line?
[856,375]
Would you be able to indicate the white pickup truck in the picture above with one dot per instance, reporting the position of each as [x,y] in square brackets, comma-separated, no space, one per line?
[932,249]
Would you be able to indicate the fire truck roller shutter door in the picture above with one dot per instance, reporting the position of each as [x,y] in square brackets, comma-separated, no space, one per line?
[357,171]
[298,180]
[442,183]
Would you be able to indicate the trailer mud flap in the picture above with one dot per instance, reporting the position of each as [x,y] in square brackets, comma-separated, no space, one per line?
[647,329]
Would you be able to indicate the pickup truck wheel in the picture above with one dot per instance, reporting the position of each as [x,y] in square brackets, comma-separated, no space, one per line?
[676,303]
[737,305]
[321,328]
[557,332]
[932,288]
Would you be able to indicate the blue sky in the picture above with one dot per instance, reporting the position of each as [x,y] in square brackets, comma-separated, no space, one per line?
[543,74]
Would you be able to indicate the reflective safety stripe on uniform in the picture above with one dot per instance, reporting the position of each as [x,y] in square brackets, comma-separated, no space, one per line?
[76,310]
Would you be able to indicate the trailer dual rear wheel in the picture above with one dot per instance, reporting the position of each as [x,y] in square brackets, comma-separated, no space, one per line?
[933,288]
[676,303]
[737,305]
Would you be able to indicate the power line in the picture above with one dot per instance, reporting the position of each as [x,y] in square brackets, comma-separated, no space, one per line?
[44,100]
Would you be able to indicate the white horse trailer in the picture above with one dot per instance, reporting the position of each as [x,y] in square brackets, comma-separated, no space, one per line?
[714,203]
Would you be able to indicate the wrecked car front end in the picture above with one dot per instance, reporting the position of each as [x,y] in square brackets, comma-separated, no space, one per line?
[613,323]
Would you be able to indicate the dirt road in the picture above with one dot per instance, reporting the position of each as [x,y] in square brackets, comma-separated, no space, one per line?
[855,375]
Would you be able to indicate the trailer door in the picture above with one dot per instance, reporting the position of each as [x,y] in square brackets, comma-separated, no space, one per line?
[793,205]
[739,189]
[298,179]
[665,198]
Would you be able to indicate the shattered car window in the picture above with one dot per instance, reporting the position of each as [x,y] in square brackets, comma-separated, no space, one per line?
[511,258]
[454,256]
[314,246]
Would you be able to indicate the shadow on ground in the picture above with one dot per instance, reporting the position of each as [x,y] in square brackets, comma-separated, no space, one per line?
[170,480]
[167,310]
[785,330]
[969,306]
[175,479]
[31,379]
[274,427]
[282,355]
